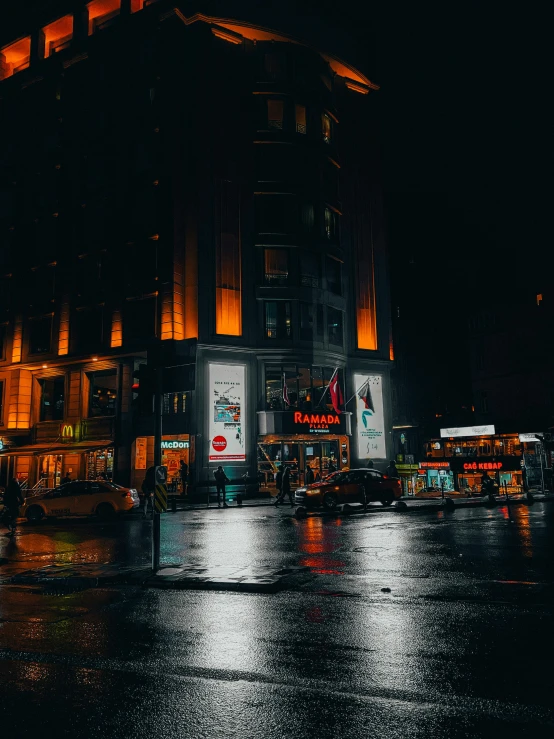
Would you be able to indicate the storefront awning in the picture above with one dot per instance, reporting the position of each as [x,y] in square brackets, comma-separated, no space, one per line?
[37,449]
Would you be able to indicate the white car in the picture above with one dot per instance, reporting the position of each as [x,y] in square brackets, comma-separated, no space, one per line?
[81,498]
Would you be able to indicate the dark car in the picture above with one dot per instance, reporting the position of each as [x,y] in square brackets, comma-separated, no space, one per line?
[349,486]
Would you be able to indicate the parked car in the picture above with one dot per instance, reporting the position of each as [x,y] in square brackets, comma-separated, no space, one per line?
[81,498]
[351,486]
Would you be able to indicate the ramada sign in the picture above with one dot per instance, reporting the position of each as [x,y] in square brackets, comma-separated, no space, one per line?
[317,421]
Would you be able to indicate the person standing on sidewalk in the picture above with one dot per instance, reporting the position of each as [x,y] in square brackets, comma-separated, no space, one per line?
[13,498]
[221,480]
[183,472]
[285,488]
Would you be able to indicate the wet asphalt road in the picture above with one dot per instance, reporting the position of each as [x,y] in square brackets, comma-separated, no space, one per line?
[461,646]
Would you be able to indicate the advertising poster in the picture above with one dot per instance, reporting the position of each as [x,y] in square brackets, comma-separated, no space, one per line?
[226,395]
[370,417]
[140,453]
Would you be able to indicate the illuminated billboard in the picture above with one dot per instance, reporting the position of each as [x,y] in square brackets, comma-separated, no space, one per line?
[370,417]
[226,411]
[467,431]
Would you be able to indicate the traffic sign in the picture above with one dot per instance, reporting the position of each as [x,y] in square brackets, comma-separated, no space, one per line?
[160,475]
[160,498]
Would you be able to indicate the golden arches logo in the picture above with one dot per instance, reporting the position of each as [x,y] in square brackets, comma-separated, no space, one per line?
[66,431]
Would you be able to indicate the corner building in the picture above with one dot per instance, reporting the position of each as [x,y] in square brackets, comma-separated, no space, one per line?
[206,183]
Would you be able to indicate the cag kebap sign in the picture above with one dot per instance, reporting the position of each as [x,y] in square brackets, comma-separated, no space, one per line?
[226,411]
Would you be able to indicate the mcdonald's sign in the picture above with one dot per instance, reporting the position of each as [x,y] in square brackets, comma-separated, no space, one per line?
[67,432]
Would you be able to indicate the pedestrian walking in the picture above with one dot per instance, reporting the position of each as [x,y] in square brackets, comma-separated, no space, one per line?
[332,468]
[13,498]
[279,484]
[65,479]
[148,486]
[221,480]
[309,476]
[285,488]
[183,472]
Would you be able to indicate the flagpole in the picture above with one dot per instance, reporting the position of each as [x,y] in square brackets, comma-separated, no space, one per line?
[357,391]
[327,388]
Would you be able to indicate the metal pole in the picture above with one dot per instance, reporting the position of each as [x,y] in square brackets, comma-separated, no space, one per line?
[158,408]
[541,447]
[442,490]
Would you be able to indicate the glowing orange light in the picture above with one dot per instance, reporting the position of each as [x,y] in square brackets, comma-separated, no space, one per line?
[101,11]
[226,36]
[117,329]
[63,335]
[15,57]
[57,35]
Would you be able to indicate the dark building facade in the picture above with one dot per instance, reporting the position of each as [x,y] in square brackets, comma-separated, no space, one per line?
[200,188]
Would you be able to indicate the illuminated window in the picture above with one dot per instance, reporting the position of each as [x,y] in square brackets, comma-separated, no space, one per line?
[326,128]
[539,298]
[15,57]
[334,326]
[366,314]
[275,110]
[137,5]
[278,323]
[276,266]
[101,14]
[300,118]
[58,35]
[103,393]
[228,312]
[40,334]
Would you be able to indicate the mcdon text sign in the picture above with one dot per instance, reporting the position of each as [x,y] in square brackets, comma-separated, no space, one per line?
[482,466]
[175,444]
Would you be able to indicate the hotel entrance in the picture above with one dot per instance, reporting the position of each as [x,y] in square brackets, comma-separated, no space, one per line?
[321,454]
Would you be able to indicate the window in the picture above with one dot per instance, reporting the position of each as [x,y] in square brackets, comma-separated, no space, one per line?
[276,267]
[330,224]
[278,324]
[228,314]
[89,329]
[40,334]
[326,128]
[276,214]
[275,113]
[306,321]
[101,14]
[274,66]
[139,321]
[306,387]
[309,269]
[52,398]
[300,111]
[103,393]
[174,403]
[333,275]
[273,389]
[334,326]
[58,35]
[319,323]
[308,217]
[15,57]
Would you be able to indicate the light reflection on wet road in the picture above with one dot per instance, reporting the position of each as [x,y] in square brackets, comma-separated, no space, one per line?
[460,647]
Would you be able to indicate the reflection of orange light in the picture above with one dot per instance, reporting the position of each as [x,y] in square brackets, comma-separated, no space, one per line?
[57,34]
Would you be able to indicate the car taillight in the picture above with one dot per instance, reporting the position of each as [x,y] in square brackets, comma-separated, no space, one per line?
[385,477]
[126,495]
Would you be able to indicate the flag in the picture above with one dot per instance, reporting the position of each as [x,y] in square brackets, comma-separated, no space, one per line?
[335,392]
[364,394]
[285,391]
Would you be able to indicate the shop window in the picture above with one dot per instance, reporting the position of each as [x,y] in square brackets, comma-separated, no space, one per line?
[326,128]
[330,224]
[103,393]
[101,14]
[305,387]
[275,113]
[333,275]
[88,334]
[300,112]
[334,326]
[273,388]
[276,267]
[58,35]
[278,323]
[274,66]
[40,334]
[15,57]
[306,321]
[52,398]
[309,269]
[139,320]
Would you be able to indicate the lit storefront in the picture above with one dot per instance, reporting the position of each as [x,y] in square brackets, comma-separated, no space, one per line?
[175,449]
[435,477]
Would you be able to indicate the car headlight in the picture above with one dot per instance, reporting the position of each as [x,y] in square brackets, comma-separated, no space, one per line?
[313,491]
